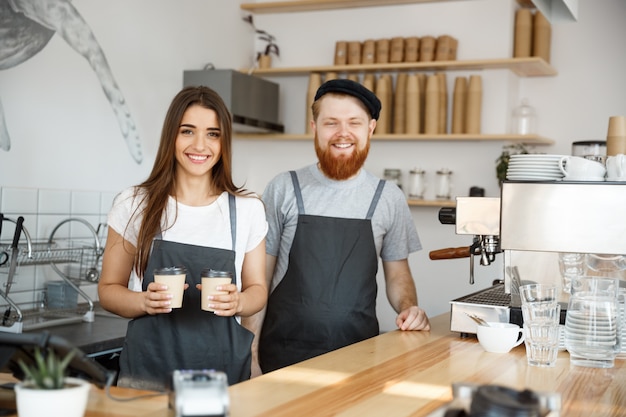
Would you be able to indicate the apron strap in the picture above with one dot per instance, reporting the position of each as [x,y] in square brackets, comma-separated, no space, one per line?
[296,187]
[379,191]
[232,206]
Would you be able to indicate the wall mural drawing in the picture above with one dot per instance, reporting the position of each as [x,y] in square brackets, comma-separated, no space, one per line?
[26,26]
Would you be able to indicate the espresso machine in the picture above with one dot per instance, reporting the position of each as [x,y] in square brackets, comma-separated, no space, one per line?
[480,218]
[537,222]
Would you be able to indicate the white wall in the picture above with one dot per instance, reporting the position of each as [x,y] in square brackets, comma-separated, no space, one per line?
[63,131]
[64,134]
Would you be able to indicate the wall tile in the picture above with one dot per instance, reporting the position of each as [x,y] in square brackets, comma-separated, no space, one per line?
[19,201]
[85,202]
[54,201]
[23,281]
[48,222]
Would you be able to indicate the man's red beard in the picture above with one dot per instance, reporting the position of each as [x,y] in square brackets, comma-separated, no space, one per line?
[340,168]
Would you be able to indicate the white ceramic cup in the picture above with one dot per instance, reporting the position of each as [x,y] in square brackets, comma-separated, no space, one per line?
[616,167]
[499,337]
[576,167]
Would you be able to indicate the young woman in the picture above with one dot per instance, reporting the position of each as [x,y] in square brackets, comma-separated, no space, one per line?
[187,213]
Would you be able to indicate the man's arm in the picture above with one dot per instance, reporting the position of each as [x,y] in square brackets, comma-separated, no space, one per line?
[254,323]
[402,296]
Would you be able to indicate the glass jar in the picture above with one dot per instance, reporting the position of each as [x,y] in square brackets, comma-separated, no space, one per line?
[590,149]
[524,119]
[393,175]
[444,184]
[417,183]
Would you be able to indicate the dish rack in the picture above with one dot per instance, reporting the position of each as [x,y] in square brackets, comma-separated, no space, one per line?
[73,260]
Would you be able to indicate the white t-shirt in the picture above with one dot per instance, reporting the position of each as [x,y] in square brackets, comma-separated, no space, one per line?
[207,226]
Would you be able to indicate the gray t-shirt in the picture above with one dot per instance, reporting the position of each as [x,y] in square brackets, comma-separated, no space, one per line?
[394,232]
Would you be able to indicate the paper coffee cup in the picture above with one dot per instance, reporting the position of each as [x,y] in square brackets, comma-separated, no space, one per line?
[617,126]
[616,136]
[212,279]
[174,278]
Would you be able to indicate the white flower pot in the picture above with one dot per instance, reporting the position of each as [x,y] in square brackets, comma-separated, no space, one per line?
[66,402]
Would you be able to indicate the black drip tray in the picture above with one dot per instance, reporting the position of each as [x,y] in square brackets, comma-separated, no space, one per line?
[494,296]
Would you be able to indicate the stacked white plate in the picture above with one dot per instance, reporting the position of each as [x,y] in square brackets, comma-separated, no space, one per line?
[534,167]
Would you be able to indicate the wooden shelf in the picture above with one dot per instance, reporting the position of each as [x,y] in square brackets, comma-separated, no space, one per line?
[314,5]
[527,139]
[524,67]
[431,203]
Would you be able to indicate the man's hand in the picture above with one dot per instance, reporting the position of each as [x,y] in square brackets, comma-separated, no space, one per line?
[413,318]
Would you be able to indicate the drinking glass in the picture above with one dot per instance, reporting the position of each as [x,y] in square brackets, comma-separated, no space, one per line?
[542,343]
[542,312]
[532,293]
[571,265]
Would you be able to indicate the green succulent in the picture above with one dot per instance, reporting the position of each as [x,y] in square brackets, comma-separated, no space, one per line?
[48,371]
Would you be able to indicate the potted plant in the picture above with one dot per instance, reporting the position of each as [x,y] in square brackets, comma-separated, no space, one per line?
[47,390]
[264,58]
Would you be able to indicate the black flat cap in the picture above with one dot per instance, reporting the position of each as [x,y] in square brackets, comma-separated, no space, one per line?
[369,99]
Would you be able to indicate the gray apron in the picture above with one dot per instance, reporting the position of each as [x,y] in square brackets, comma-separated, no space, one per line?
[327,298]
[189,337]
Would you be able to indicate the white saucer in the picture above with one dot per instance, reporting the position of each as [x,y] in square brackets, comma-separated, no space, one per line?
[534,171]
[616,179]
[541,162]
[532,176]
[534,166]
[535,156]
[523,178]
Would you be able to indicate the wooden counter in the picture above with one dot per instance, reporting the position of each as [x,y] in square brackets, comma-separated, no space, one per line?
[398,374]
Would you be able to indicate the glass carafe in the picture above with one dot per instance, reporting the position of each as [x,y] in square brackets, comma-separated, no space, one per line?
[606,265]
[592,324]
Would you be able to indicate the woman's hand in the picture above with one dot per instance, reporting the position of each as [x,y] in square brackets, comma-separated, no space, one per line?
[157,300]
[224,304]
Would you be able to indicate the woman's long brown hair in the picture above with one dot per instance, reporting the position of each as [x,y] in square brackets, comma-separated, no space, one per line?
[161,183]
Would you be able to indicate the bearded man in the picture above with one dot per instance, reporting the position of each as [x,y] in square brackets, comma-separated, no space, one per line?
[328,225]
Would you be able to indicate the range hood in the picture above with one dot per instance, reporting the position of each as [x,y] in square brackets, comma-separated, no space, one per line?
[253,101]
